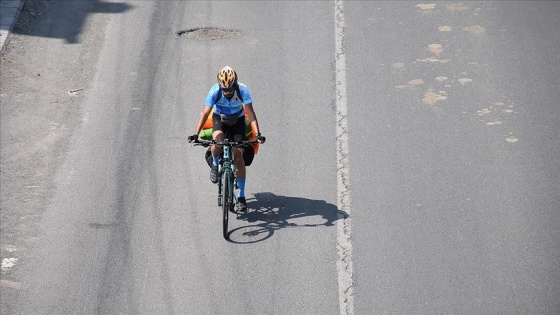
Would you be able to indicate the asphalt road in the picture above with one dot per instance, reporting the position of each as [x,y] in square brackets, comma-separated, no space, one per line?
[452,142]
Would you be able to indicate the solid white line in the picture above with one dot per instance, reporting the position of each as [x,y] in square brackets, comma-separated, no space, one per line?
[343,237]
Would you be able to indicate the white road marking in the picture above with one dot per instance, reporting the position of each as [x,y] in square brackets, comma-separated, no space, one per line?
[10,284]
[343,237]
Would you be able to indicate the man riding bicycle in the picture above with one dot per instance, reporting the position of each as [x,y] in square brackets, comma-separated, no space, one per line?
[226,99]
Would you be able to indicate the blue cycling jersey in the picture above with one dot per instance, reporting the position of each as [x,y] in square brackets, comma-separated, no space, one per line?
[225,106]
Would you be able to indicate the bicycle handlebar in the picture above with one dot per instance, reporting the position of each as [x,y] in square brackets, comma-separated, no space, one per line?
[234,144]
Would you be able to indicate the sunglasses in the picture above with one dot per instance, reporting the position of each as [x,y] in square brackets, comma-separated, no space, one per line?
[228,90]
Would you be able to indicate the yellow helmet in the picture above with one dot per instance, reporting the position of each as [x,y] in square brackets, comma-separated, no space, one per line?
[227,78]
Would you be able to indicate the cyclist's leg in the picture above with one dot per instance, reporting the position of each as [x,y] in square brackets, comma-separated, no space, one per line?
[241,171]
[241,179]
[218,136]
[239,163]
[238,130]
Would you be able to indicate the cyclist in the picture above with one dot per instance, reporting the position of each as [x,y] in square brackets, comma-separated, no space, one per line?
[226,99]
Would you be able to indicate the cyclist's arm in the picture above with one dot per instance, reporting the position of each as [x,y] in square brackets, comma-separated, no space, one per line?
[252,117]
[203,117]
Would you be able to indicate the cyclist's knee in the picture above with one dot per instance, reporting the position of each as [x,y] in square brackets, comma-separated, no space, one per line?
[218,136]
[238,155]
[216,149]
[238,158]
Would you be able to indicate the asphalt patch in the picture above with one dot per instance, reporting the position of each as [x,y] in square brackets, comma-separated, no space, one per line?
[208,33]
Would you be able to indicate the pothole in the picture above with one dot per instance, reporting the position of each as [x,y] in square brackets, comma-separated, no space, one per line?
[208,33]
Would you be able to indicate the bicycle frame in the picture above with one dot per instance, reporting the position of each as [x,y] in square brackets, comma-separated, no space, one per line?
[226,167]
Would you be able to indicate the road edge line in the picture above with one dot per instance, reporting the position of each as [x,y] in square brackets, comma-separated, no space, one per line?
[343,235]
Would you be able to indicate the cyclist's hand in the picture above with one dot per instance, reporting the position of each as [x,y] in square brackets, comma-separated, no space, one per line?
[260,138]
[193,138]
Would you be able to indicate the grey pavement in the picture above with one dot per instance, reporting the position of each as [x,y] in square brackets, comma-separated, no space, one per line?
[9,11]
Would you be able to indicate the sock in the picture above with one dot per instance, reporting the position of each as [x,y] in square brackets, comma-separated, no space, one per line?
[241,186]
[215,160]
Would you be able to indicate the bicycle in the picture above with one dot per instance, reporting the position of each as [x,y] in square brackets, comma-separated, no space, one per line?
[226,181]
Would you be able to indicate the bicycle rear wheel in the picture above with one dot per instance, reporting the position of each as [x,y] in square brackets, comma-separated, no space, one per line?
[226,202]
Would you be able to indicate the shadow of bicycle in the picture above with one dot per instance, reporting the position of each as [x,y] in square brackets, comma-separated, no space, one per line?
[270,213]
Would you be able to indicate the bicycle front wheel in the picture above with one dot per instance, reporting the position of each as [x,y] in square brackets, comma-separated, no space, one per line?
[226,202]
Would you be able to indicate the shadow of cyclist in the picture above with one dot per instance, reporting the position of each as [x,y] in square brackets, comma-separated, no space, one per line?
[271,213]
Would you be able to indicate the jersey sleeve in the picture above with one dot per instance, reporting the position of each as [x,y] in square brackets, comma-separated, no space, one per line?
[212,95]
[245,94]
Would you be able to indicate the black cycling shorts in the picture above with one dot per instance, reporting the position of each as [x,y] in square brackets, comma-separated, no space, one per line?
[235,132]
